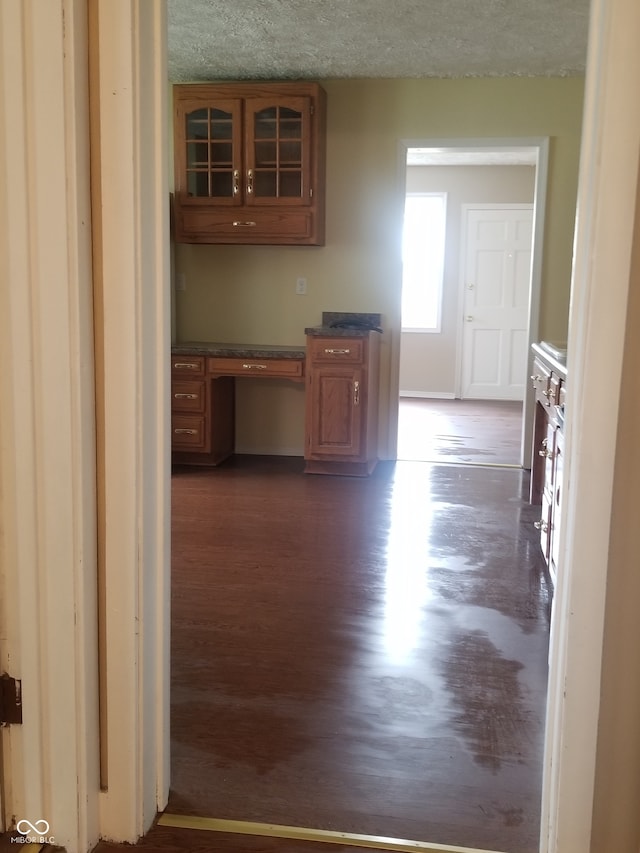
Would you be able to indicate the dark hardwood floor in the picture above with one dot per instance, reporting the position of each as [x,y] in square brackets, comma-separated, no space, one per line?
[360,655]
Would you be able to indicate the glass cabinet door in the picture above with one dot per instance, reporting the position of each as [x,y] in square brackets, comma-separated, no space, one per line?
[278,151]
[213,167]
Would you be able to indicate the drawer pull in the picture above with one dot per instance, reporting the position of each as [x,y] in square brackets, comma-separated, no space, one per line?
[541,525]
[338,351]
[546,454]
[186,365]
[184,431]
[247,224]
[236,182]
[254,366]
[186,396]
[536,378]
[356,393]
[550,393]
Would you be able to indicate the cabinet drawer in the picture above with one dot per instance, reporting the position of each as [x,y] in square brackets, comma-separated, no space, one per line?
[187,395]
[331,350]
[541,379]
[287,368]
[555,384]
[544,525]
[189,431]
[187,365]
[547,452]
[245,225]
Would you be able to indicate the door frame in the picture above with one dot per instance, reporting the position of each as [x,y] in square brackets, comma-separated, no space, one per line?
[84,221]
[538,146]
[603,273]
[466,207]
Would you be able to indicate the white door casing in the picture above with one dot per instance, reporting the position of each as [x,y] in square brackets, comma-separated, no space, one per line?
[610,154]
[496,283]
[47,420]
[54,250]
[539,146]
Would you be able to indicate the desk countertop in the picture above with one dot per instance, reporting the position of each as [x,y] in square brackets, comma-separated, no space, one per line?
[225,350]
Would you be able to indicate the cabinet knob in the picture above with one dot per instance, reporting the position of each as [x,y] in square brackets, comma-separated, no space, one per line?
[546,454]
[549,393]
[541,525]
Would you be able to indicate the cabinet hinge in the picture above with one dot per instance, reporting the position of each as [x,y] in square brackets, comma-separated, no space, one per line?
[10,700]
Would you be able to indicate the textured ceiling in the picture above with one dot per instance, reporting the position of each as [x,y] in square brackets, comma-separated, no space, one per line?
[322,39]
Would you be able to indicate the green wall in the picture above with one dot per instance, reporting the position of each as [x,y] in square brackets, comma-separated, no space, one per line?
[247,294]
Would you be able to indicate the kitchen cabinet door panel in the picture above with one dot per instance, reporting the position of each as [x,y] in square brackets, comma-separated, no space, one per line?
[336,412]
[342,404]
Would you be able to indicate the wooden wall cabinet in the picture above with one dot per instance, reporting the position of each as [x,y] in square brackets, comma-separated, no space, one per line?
[342,404]
[249,163]
[549,382]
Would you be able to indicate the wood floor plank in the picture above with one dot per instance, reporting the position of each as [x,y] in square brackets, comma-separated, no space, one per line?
[361,655]
[481,432]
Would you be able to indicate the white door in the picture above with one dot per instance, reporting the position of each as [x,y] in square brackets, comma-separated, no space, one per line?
[497,284]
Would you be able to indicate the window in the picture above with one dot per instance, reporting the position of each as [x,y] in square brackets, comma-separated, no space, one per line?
[423,261]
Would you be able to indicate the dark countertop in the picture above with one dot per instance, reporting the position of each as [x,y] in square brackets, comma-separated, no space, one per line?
[330,332]
[352,324]
[224,350]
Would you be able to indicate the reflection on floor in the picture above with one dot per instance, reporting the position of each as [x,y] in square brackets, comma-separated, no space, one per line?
[361,655]
[481,432]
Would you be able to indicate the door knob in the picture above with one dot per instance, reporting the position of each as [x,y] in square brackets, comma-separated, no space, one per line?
[469,318]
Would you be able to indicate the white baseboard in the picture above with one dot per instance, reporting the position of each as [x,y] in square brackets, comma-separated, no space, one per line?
[269,451]
[433,395]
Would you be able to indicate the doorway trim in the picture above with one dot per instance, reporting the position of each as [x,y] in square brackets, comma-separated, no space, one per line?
[539,147]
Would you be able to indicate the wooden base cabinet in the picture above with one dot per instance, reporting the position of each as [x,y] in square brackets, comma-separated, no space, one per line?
[202,413]
[342,405]
[549,382]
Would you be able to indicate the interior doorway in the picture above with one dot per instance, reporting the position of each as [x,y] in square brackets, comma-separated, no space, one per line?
[435,362]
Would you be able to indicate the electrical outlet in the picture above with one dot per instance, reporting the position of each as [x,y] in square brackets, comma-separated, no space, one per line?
[301,286]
